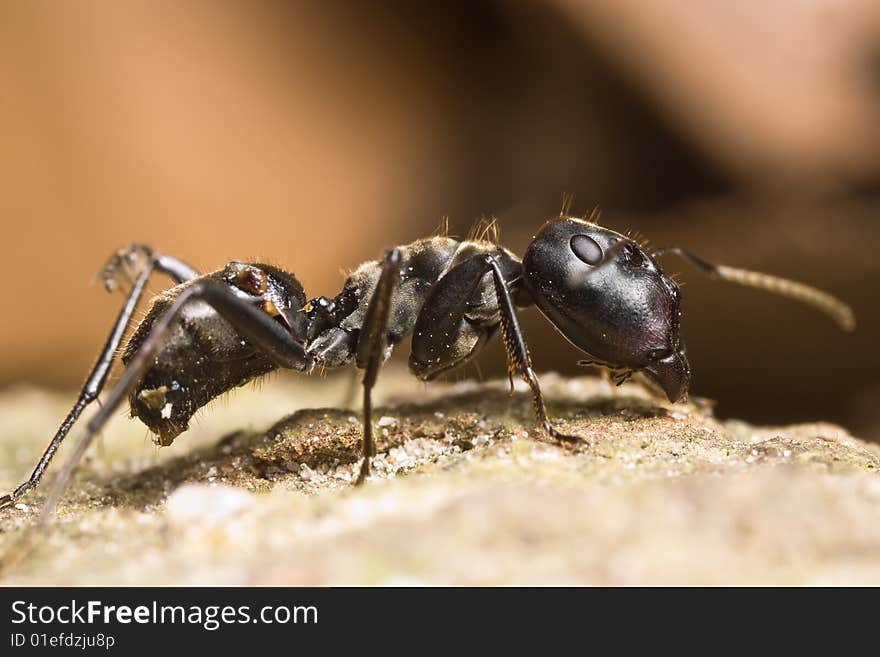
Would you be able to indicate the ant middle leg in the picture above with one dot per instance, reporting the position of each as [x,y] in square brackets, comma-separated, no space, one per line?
[134,264]
[372,346]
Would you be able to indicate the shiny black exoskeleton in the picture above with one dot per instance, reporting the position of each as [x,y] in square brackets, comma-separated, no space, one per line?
[604,292]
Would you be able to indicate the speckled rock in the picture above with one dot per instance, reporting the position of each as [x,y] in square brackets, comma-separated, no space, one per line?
[464,491]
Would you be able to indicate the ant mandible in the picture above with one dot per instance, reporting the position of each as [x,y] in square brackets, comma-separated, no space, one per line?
[213,332]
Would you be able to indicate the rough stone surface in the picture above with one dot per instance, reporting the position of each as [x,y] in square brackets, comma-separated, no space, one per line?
[464,491]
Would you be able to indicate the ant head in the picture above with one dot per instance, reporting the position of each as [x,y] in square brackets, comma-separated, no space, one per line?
[609,298]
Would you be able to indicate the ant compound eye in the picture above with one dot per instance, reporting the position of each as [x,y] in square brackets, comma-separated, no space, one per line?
[586,249]
[658,354]
[633,255]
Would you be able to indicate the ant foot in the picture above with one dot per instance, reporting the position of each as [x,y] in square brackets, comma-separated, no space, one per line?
[125,266]
[365,472]
[6,501]
[565,439]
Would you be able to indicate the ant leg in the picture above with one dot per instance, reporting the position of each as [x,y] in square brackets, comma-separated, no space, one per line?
[821,301]
[349,397]
[454,324]
[125,262]
[178,270]
[248,319]
[518,358]
[124,266]
[372,346]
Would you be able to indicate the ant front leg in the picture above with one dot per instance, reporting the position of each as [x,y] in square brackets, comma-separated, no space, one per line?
[518,357]
[372,346]
[134,264]
[459,317]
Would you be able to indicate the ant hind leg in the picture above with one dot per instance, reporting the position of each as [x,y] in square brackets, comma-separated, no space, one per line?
[125,265]
[135,264]
[248,319]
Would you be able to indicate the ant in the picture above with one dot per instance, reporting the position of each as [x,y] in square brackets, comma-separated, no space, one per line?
[603,291]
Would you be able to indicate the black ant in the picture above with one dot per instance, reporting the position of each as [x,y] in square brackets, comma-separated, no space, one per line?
[212,332]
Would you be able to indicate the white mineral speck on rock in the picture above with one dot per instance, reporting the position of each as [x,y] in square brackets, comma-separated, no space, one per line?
[386,421]
[198,504]
[22,507]
[306,472]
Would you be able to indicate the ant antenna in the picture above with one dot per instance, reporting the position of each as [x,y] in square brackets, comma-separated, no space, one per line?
[822,301]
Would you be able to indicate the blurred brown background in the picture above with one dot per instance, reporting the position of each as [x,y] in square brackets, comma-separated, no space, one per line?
[317,134]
